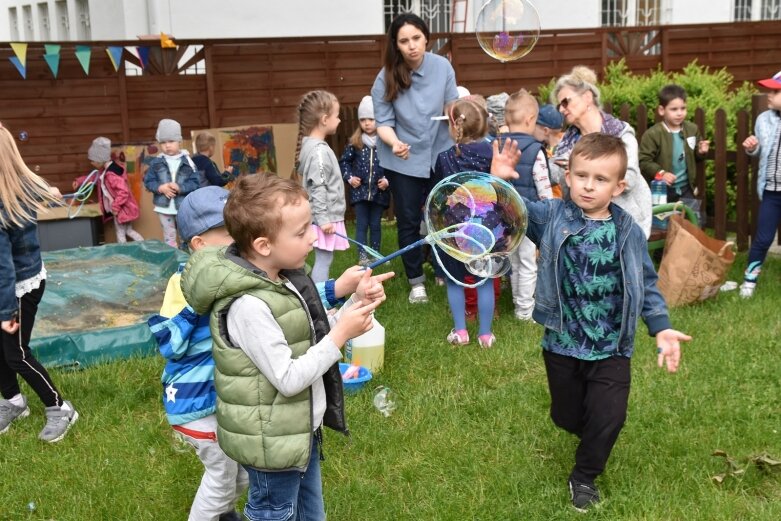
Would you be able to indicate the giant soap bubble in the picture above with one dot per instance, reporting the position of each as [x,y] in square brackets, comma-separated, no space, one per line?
[477,219]
[507,30]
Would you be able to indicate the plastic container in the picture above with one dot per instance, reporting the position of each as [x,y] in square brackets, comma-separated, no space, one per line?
[354,384]
[658,190]
[367,350]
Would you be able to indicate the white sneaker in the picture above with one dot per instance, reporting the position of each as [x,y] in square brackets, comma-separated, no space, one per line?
[10,412]
[747,289]
[418,294]
[59,420]
[523,316]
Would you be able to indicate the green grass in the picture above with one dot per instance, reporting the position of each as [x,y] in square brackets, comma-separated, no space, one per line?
[470,439]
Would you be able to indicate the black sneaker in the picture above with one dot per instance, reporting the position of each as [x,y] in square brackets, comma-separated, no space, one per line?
[583,495]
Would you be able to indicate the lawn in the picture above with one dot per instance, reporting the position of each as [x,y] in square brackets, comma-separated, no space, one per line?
[470,439]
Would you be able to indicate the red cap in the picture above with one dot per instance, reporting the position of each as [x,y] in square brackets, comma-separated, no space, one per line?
[772,83]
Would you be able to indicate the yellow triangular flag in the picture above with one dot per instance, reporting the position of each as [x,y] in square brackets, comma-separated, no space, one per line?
[20,49]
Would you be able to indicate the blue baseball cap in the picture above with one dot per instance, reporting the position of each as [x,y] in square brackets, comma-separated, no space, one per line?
[201,211]
[550,117]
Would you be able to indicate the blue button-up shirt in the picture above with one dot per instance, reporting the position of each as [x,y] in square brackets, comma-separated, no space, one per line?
[433,85]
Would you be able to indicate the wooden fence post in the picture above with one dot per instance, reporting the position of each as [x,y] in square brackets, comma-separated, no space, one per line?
[720,188]
[210,102]
[758,105]
[642,121]
[699,120]
[742,175]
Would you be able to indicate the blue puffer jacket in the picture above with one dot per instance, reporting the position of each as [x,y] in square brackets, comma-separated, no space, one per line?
[365,165]
[20,259]
[157,174]
[551,222]
[530,149]
[765,130]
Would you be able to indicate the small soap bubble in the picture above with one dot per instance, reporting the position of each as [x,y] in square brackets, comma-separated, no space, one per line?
[31,506]
[384,400]
[507,30]
[23,135]
[37,168]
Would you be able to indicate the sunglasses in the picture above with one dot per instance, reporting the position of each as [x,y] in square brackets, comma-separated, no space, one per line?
[564,103]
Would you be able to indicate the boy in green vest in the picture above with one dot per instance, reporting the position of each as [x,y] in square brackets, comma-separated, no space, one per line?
[276,350]
[671,147]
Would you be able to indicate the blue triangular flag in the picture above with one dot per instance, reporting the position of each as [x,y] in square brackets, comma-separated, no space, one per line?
[83,53]
[143,55]
[53,61]
[115,54]
[19,67]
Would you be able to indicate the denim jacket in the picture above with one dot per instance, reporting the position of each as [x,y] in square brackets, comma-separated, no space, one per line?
[765,130]
[20,259]
[157,174]
[551,222]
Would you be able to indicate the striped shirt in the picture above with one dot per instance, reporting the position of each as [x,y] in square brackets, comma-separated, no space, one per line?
[773,183]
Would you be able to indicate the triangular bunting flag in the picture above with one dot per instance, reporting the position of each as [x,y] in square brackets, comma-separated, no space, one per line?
[133,50]
[167,42]
[53,61]
[20,49]
[19,67]
[143,55]
[115,54]
[51,48]
[83,53]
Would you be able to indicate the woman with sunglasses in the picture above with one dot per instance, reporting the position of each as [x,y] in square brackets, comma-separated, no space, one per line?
[577,98]
[409,92]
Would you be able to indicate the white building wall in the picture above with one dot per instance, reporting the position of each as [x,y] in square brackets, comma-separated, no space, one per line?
[701,11]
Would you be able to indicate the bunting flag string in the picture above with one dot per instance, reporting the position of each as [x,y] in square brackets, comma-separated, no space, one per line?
[83,53]
[53,55]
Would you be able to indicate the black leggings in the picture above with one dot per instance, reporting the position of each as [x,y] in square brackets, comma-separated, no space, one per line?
[17,358]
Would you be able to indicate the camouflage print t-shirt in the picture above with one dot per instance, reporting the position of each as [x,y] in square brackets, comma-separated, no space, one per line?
[592,294]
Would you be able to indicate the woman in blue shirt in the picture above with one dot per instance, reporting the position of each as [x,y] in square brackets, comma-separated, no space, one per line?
[413,86]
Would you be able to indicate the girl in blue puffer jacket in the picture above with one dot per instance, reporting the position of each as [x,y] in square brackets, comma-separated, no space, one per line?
[361,169]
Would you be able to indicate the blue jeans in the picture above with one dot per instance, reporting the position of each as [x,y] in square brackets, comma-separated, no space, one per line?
[286,496]
[767,224]
[368,216]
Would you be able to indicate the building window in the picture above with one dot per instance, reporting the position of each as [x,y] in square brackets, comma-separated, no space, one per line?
[43,21]
[771,9]
[648,12]
[13,20]
[84,32]
[436,13]
[742,10]
[614,12]
[63,20]
[27,20]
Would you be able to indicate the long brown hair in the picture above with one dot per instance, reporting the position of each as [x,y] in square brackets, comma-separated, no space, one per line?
[22,192]
[313,105]
[470,120]
[398,76]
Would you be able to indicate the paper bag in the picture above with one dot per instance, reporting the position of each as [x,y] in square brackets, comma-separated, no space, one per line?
[694,265]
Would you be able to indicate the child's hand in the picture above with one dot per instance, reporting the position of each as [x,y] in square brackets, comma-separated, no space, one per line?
[704,147]
[669,178]
[328,228]
[354,321]
[175,187]
[355,182]
[503,163]
[370,288]
[167,190]
[401,150]
[383,183]
[751,143]
[55,192]
[229,169]
[668,343]
[348,281]
[75,185]
[10,326]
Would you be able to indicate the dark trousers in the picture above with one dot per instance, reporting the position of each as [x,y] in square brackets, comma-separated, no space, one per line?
[17,359]
[368,217]
[767,224]
[409,195]
[589,399]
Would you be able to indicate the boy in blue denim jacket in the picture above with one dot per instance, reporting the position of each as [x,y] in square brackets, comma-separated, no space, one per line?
[595,279]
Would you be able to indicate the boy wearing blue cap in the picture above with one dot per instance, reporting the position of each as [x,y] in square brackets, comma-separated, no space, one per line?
[549,130]
[185,342]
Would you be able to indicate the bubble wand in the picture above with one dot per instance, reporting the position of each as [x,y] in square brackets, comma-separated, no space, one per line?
[82,194]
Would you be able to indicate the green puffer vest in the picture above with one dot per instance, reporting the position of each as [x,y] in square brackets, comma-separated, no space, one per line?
[257,425]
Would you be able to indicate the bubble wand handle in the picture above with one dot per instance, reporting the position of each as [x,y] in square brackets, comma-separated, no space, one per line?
[383,260]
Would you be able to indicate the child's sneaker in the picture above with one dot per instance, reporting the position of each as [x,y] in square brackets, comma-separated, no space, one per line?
[231,516]
[583,495]
[10,412]
[486,341]
[747,289]
[458,338]
[58,421]
[418,295]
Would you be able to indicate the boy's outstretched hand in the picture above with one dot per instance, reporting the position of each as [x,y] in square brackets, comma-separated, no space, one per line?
[503,163]
[370,287]
[353,321]
[668,344]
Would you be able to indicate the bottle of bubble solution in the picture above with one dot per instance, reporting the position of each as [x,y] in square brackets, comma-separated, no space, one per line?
[383,400]
[658,190]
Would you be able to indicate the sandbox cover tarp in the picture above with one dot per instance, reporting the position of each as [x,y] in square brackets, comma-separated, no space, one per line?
[97,301]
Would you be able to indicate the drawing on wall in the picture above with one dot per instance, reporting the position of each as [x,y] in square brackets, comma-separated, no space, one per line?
[250,150]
